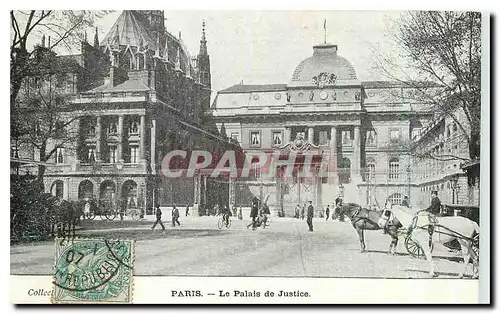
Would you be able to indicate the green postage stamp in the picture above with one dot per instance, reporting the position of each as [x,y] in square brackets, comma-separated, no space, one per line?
[93,271]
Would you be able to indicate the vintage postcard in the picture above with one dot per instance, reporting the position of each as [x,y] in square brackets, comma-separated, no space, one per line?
[249,157]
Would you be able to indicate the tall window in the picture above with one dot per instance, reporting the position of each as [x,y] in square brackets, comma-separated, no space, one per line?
[370,168]
[112,154]
[134,154]
[394,135]
[371,138]
[277,138]
[346,138]
[394,168]
[59,155]
[91,154]
[255,139]
[235,136]
[134,128]
[14,152]
[345,170]
[112,128]
[323,137]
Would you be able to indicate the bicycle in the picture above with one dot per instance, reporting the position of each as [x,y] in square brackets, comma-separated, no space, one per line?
[222,221]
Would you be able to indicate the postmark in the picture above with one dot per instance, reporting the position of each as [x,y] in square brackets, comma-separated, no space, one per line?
[93,271]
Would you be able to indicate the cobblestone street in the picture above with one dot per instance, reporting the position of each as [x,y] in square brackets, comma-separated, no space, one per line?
[287,248]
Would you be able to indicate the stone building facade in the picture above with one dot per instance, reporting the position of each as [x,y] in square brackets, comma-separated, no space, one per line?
[440,158]
[152,99]
[363,128]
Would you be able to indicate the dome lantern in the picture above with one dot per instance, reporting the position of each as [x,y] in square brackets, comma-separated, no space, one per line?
[324,60]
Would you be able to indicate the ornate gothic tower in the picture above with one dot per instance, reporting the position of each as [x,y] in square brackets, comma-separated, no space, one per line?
[203,61]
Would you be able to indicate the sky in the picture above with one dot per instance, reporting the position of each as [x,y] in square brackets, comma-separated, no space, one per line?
[263,47]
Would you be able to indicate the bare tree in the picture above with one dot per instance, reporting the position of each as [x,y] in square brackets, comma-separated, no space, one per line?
[440,59]
[63,27]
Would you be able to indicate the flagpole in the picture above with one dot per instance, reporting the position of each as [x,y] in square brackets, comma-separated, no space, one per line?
[324,27]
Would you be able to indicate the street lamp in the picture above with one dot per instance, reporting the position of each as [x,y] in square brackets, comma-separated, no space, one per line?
[143,197]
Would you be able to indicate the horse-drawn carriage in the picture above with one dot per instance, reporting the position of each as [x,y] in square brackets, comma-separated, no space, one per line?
[107,210]
[420,230]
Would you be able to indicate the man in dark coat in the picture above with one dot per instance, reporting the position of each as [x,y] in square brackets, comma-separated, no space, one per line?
[254,213]
[158,218]
[435,207]
[175,216]
[327,212]
[310,215]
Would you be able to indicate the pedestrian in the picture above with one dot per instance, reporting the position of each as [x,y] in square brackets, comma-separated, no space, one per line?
[297,212]
[234,210]
[187,210]
[310,215]
[175,216]
[254,212]
[338,206]
[240,213]
[405,202]
[327,212]
[303,211]
[158,218]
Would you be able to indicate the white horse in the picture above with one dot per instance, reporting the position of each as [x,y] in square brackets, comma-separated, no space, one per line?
[446,230]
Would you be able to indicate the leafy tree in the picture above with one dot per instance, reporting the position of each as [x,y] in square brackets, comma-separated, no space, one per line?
[440,59]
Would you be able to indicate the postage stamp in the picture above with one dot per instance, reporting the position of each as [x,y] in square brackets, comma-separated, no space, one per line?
[93,271]
[302,156]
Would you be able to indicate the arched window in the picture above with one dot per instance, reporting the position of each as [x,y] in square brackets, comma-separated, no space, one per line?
[395,198]
[394,168]
[370,168]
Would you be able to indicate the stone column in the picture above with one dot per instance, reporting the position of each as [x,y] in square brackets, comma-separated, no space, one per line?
[77,130]
[98,142]
[66,189]
[142,137]
[153,146]
[288,135]
[356,164]
[120,140]
[332,166]
[310,135]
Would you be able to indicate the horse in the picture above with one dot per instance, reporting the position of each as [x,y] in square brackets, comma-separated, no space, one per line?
[424,227]
[364,219]
[64,216]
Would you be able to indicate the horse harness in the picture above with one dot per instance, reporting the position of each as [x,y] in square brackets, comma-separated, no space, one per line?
[431,228]
[356,217]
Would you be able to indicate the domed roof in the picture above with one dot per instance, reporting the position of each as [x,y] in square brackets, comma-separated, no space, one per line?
[324,59]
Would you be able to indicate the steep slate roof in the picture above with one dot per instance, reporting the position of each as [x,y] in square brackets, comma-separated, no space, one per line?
[239,88]
[129,29]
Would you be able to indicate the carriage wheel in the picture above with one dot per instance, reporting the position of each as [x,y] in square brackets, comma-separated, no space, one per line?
[91,215]
[220,223]
[135,215]
[110,215]
[413,248]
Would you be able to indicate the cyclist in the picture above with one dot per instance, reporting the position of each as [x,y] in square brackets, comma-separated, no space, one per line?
[226,213]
